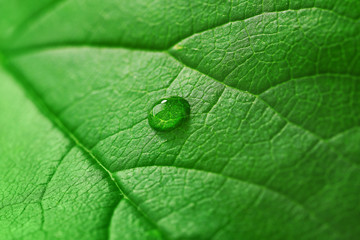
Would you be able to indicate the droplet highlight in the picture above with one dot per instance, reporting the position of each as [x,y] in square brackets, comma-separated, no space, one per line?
[168,113]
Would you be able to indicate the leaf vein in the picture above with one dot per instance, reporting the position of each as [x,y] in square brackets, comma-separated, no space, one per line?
[37,100]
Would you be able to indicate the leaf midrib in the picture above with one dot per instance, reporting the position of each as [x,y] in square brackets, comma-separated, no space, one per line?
[52,117]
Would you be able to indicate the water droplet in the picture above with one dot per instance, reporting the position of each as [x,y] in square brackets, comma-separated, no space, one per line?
[169,113]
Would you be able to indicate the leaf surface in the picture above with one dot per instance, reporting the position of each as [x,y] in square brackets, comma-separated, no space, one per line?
[270,150]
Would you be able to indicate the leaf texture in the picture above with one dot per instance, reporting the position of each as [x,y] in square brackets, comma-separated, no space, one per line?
[271,149]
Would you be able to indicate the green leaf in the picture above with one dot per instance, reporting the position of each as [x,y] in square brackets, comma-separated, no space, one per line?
[270,151]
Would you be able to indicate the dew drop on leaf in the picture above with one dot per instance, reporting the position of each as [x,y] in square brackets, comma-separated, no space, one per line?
[168,113]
